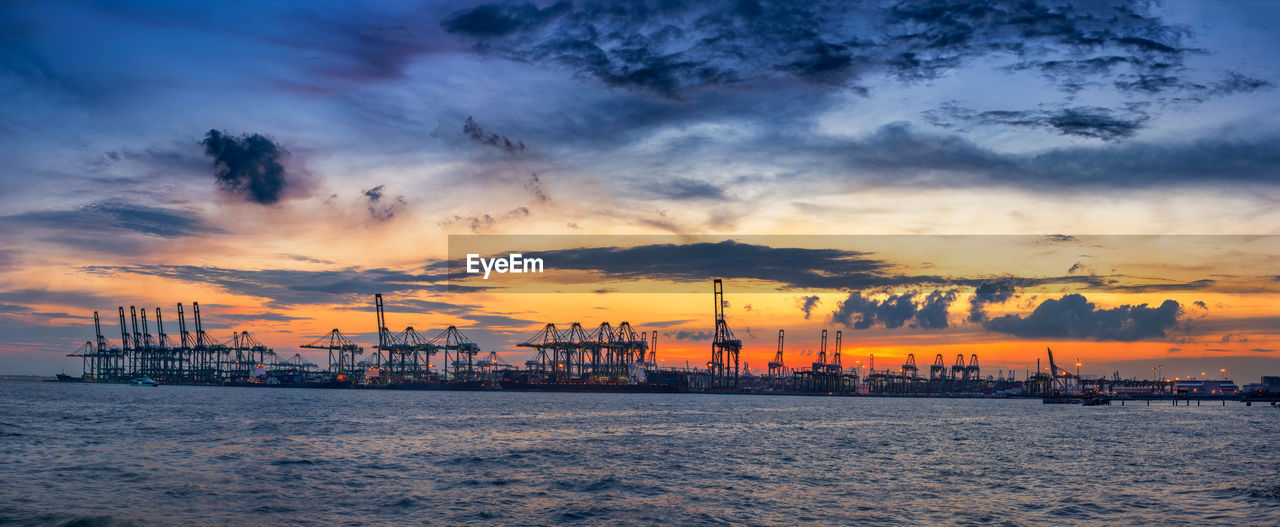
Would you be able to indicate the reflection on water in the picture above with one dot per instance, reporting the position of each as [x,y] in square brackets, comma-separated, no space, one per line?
[111,453]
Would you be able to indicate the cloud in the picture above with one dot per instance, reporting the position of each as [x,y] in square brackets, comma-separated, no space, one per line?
[286,287]
[307,259]
[478,134]
[43,296]
[485,222]
[1080,121]
[686,189]
[993,292]
[1200,304]
[695,262]
[689,335]
[792,268]
[785,268]
[899,155]
[665,323]
[1074,317]
[932,314]
[1148,288]
[381,210]
[1080,266]
[863,312]
[254,317]
[807,303]
[118,215]
[497,20]
[491,320]
[672,49]
[535,187]
[248,166]
[1235,82]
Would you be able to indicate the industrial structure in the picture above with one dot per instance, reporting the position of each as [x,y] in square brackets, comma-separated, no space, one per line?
[722,369]
[572,358]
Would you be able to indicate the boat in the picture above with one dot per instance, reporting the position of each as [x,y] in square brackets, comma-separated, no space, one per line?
[1097,400]
[144,381]
[63,377]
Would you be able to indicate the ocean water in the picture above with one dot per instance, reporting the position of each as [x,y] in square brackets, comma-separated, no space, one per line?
[123,455]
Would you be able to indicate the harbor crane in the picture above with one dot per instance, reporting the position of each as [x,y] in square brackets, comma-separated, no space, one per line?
[724,347]
[342,351]
[821,364]
[836,366]
[1059,379]
[776,366]
[938,371]
[909,369]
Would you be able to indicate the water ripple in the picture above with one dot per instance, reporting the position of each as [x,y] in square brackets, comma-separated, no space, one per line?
[116,455]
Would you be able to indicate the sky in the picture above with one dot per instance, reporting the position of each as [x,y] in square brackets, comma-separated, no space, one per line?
[282,163]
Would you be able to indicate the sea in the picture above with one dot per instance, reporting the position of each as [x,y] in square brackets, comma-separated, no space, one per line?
[98,454]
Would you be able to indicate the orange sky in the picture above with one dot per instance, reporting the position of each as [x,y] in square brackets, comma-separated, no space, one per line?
[1236,319]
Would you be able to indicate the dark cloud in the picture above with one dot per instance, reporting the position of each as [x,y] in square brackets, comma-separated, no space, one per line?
[793,268]
[1098,123]
[249,166]
[1081,121]
[1200,304]
[994,292]
[255,317]
[689,335]
[497,20]
[285,287]
[672,48]
[414,305]
[863,312]
[686,189]
[117,215]
[41,296]
[484,222]
[379,209]
[697,261]
[1149,288]
[1235,82]
[665,323]
[535,187]
[807,303]
[478,134]
[489,320]
[897,154]
[932,313]
[1074,317]
[307,259]
[1080,266]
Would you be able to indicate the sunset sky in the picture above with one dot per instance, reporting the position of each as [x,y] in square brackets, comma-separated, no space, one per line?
[280,164]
